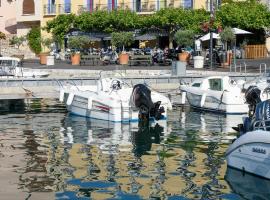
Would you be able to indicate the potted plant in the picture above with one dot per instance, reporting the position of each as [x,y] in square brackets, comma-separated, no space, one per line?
[122,39]
[76,43]
[185,39]
[227,36]
[45,46]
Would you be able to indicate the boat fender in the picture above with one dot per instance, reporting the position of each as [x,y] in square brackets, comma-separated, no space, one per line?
[90,103]
[61,97]
[70,99]
[203,99]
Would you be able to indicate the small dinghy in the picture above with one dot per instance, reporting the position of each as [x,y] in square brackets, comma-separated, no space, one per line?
[250,152]
[114,100]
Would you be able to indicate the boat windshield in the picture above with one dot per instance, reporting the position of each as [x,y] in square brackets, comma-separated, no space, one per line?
[8,63]
[215,84]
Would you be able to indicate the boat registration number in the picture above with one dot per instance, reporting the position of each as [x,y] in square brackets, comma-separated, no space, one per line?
[258,150]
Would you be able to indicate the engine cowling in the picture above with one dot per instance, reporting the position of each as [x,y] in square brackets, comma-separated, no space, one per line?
[141,99]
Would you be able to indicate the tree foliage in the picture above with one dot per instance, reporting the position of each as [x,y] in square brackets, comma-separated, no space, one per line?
[122,39]
[249,15]
[184,37]
[18,41]
[60,26]
[34,37]
[227,35]
[2,36]
[116,20]
[76,43]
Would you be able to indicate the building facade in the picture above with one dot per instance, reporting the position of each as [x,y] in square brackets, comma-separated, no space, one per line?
[8,16]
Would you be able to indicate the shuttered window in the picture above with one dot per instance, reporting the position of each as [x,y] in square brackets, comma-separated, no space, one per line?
[28,7]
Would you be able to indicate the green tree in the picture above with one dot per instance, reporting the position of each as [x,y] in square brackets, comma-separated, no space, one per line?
[34,37]
[116,20]
[76,43]
[249,15]
[60,26]
[122,39]
[172,19]
[2,36]
[227,35]
[18,41]
[167,19]
[184,37]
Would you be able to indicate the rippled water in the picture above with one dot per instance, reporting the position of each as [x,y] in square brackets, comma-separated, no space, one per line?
[47,154]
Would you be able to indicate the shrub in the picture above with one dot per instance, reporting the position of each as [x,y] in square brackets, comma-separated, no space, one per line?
[76,43]
[122,39]
[34,38]
[184,38]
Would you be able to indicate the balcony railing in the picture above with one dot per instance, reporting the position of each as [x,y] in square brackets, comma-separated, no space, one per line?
[85,8]
[139,6]
[49,9]
[64,8]
[53,9]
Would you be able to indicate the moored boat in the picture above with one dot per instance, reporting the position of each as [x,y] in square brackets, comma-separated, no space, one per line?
[114,100]
[250,151]
[217,94]
[12,67]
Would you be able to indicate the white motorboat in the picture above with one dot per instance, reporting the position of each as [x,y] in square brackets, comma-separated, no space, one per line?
[251,151]
[12,67]
[114,100]
[217,94]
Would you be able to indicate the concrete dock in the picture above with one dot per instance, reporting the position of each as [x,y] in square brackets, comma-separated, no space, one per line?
[159,78]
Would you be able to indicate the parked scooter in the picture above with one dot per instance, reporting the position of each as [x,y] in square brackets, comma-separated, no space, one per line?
[109,57]
[160,57]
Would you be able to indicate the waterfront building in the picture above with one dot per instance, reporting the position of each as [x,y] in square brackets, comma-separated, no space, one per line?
[8,17]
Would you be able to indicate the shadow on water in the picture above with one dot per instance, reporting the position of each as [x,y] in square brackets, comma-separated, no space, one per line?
[30,106]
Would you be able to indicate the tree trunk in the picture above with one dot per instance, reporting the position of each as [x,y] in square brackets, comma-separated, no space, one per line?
[170,41]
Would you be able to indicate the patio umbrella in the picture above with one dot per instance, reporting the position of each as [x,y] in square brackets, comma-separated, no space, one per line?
[238,31]
[207,37]
[146,36]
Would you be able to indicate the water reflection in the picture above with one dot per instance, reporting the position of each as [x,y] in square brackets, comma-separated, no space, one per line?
[70,157]
[108,142]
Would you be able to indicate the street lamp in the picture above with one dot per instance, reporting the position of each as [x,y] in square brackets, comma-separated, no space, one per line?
[211,33]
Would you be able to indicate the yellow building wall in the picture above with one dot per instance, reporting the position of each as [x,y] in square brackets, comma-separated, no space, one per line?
[198,4]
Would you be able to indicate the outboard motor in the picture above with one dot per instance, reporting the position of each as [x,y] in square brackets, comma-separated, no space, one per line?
[259,112]
[141,99]
[252,96]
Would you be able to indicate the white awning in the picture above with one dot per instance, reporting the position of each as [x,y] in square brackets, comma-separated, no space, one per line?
[207,37]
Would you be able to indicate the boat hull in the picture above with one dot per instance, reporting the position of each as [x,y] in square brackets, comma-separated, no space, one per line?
[112,106]
[215,102]
[251,153]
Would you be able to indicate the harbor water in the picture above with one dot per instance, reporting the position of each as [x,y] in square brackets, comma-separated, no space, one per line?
[45,153]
